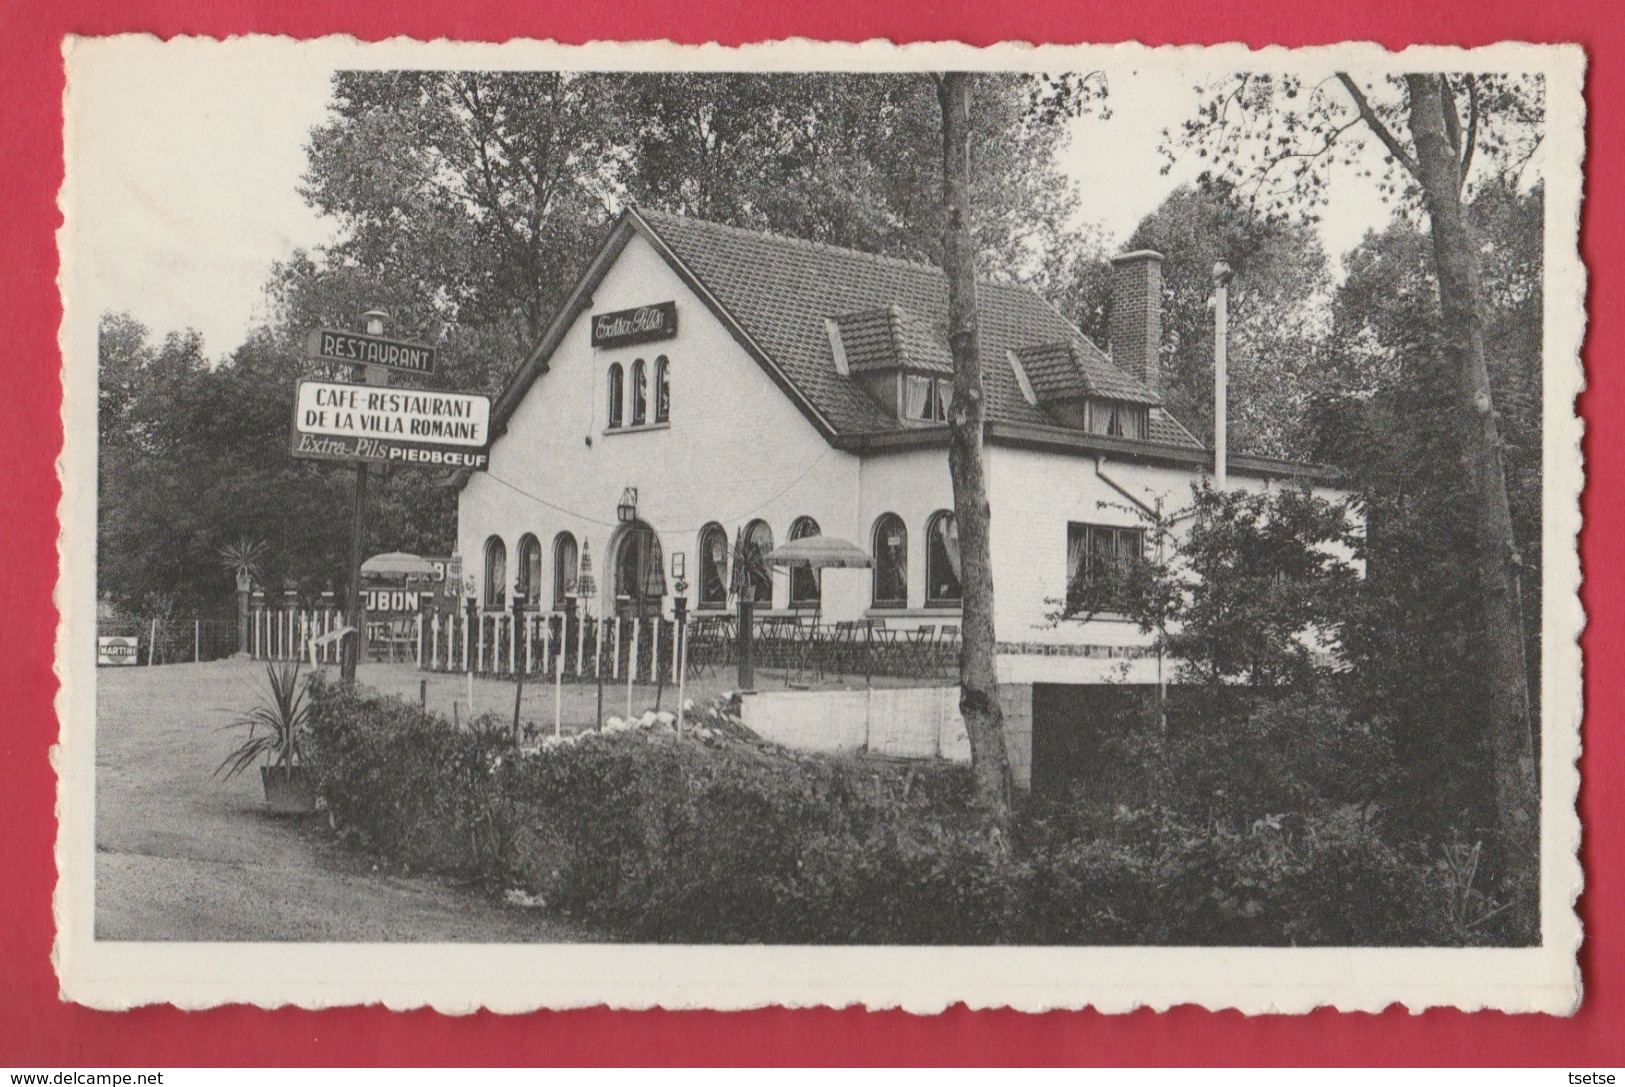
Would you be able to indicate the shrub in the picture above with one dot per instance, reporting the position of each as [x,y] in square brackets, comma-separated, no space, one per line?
[707,837]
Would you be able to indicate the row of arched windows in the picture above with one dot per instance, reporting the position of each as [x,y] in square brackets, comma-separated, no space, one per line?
[635,387]
[745,558]
[890,549]
[888,545]
[528,578]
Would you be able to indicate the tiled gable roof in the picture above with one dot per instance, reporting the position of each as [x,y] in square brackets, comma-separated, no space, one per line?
[782,290]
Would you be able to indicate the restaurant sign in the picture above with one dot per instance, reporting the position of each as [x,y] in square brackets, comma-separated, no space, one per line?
[328,343]
[630,326]
[382,425]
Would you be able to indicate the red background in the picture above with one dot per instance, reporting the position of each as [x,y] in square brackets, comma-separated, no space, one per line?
[36,1029]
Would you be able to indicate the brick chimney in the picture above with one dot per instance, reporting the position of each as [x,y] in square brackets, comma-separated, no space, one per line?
[1137,315]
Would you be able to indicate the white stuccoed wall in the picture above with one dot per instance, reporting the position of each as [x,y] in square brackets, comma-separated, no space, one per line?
[897,722]
[734,443]
[1034,495]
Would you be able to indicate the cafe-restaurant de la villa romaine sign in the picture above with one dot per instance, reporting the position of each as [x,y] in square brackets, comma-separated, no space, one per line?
[629,326]
[384,425]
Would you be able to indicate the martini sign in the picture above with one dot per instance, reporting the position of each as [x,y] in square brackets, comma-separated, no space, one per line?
[384,425]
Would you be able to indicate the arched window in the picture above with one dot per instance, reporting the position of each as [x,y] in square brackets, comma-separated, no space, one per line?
[662,390]
[640,572]
[713,567]
[530,568]
[496,572]
[758,577]
[942,560]
[805,582]
[891,562]
[617,395]
[640,393]
[566,563]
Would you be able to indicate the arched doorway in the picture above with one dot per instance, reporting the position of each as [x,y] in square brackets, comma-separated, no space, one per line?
[640,574]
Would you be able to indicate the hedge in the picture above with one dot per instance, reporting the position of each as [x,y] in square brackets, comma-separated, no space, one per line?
[714,836]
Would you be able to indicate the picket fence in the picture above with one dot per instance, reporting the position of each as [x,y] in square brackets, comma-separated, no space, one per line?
[550,645]
[285,633]
[547,644]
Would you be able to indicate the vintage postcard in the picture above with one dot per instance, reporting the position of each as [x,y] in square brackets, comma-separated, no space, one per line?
[820,524]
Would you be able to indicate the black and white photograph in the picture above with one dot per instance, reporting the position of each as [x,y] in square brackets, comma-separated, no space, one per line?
[820,524]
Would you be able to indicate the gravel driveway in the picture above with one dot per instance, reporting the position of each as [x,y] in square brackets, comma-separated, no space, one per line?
[183,856]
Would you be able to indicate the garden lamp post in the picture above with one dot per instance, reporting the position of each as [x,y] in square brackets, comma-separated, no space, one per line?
[519,591]
[679,611]
[244,584]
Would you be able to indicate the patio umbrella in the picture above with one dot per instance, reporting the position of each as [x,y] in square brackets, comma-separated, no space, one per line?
[819,553]
[585,586]
[398,564]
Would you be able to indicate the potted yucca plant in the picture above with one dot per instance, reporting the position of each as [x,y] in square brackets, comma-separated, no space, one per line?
[276,728]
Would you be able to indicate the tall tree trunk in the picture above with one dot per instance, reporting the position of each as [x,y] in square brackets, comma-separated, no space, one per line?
[978,678]
[1431,115]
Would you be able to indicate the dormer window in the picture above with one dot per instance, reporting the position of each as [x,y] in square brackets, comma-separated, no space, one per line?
[926,399]
[1117,419]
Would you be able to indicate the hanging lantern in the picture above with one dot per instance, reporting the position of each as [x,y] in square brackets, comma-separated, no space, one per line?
[627,511]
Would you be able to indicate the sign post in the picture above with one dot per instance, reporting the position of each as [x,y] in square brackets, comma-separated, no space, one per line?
[368,421]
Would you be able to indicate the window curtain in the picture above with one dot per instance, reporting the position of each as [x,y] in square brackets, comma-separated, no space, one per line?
[805,584]
[714,567]
[531,565]
[891,562]
[759,541]
[654,569]
[916,397]
[640,393]
[1077,539]
[662,390]
[616,393]
[564,568]
[496,574]
[950,543]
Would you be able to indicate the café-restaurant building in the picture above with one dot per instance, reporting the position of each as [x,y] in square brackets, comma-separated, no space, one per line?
[707,386]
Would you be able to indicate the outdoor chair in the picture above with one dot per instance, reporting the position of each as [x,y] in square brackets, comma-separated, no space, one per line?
[947,654]
[920,649]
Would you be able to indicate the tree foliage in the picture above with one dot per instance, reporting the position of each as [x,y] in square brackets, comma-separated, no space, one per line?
[1430,140]
[1386,422]
[468,202]
[195,458]
[1255,590]
[1278,298]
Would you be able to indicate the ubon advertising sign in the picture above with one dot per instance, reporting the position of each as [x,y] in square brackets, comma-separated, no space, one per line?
[383,425]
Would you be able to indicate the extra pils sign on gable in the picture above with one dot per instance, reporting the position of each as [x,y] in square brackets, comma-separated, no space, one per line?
[382,425]
[631,326]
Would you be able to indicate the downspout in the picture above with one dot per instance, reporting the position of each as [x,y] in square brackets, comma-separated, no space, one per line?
[1100,470]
